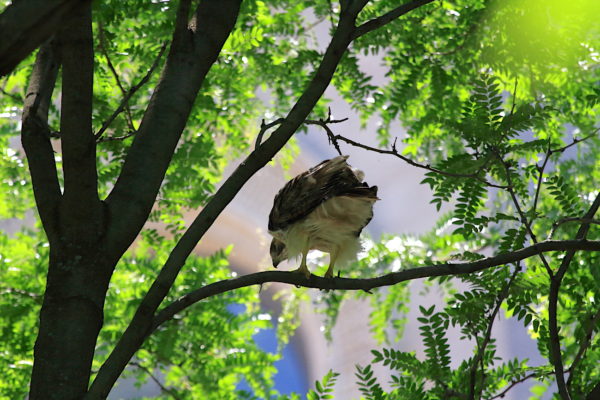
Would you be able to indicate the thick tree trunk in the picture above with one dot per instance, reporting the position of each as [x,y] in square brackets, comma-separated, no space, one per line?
[70,320]
[75,220]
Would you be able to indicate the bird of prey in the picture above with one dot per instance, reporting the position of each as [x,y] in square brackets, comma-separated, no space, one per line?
[324,208]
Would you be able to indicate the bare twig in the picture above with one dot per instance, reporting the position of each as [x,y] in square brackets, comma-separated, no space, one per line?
[513,384]
[584,345]
[394,152]
[488,334]
[574,142]
[324,124]
[555,282]
[265,127]
[131,92]
[317,282]
[162,387]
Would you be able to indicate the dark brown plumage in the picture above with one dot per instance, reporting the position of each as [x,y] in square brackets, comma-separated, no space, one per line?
[324,208]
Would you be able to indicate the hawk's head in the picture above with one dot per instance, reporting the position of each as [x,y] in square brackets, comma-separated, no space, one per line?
[278,251]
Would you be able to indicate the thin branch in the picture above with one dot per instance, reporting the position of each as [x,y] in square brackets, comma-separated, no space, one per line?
[584,345]
[513,384]
[104,51]
[162,387]
[127,95]
[317,282]
[20,292]
[540,178]
[13,96]
[571,219]
[575,141]
[116,138]
[514,97]
[393,151]
[323,123]
[524,218]
[388,17]
[555,282]
[265,127]
[488,334]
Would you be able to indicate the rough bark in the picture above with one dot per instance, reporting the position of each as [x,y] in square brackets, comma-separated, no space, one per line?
[79,270]
[26,24]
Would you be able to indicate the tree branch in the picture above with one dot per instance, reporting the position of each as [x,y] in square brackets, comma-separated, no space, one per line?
[584,345]
[323,123]
[388,17]
[26,24]
[162,387]
[36,140]
[571,219]
[522,214]
[555,283]
[488,334]
[540,178]
[104,51]
[513,384]
[36,297]
[575,141]
[126,96]
[595,393]
[77,140]
[394,151]
[317,282]
[264,128]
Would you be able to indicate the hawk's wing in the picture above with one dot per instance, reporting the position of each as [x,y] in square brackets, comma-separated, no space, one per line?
[300,196]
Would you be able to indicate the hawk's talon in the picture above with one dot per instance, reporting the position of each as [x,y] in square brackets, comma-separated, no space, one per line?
[303,269]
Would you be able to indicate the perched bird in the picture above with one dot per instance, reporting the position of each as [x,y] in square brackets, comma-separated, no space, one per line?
[324,208]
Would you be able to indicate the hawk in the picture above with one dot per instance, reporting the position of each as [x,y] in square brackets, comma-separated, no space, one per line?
[324,208]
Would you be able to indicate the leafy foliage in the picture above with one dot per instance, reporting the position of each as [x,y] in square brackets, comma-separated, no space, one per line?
[507,129]
[324,388]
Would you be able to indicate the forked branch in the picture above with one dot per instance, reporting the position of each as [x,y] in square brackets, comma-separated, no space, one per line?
[126,97]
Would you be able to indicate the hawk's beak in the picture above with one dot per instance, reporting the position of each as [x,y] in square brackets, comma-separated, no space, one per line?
[276,263]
